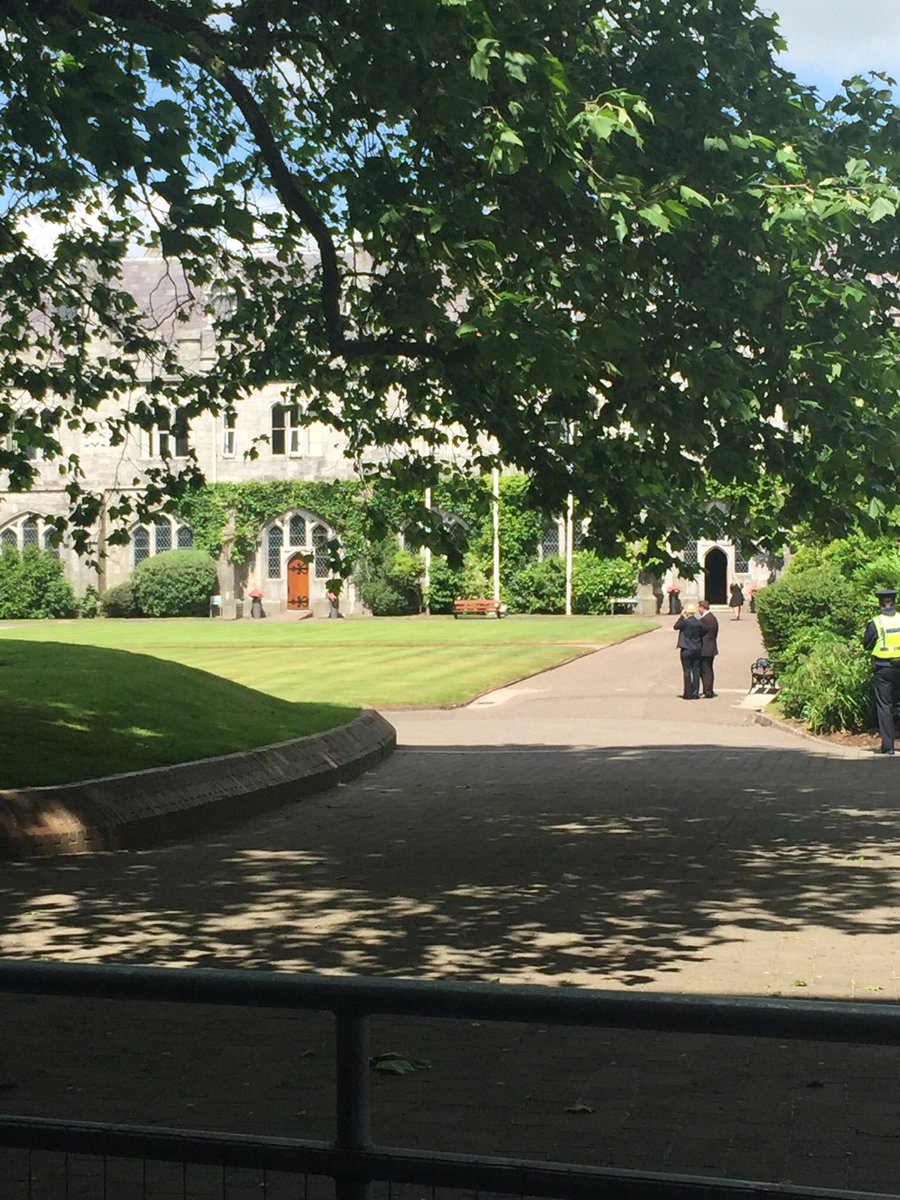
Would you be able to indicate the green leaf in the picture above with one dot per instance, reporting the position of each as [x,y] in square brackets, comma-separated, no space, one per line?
[486,49]
[239,223]
[516,63]
[655,216]
[882,208]
[689,196]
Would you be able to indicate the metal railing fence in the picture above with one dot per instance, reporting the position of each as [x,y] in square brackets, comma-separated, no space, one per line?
[351,1160]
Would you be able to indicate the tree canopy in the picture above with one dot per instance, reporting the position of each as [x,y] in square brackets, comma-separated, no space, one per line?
[614,244]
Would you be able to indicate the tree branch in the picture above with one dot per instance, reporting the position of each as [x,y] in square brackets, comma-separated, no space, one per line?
[207,49]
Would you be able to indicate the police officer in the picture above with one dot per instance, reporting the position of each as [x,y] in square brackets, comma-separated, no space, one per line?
[882,640]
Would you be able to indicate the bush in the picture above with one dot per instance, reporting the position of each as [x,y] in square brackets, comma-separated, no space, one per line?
[32,585]
[596,580]
[474,582]
[383,599]
[814,598]
[389,582]
[177,583]
[830,687]
[89,603]
[882,571]
[444,586]
[539,587]
[119,601]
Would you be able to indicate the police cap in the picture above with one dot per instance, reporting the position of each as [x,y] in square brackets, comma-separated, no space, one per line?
[886,595]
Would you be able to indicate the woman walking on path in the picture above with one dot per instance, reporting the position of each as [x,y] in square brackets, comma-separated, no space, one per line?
[736,601]
[690,638]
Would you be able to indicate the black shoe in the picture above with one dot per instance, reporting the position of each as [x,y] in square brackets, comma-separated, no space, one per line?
[710,695]
[885,750]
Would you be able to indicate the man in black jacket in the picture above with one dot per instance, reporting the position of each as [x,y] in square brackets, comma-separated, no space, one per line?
[709,648]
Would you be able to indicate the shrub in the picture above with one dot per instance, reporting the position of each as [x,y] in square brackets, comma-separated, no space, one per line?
[596,580]
[177,583]
[538,587]
[474,581]
[444,586]
[383,599]
[119,601]
[799,648]
[389,581]
[815,598]
[32,585]
[405,570]
[830,687]
[89,603]
[881,571]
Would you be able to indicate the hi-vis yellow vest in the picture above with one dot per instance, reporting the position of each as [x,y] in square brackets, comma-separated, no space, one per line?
[888,628]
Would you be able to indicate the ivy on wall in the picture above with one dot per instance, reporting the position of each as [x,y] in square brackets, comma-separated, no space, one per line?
[226,517]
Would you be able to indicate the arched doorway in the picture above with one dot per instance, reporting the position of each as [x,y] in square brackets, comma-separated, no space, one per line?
[715,575]
[298,582]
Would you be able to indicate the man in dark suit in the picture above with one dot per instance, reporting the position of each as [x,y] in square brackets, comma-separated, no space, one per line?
[709,648]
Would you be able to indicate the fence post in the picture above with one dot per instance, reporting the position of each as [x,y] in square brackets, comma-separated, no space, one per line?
[352,1097]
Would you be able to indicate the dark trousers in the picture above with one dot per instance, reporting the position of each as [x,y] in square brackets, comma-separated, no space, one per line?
[707,674]
[886,686]
[690,665]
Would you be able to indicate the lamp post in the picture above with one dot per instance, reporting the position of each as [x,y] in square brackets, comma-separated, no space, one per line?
[570,528]
[495,506]
[426,578]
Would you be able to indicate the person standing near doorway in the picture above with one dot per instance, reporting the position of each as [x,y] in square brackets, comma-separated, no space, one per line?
[882,640]
[736,601]
[709,648]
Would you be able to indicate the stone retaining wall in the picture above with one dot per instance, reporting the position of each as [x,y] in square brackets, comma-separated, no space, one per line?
[147,807]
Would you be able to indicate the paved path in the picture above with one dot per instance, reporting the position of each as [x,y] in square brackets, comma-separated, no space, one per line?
[582,827]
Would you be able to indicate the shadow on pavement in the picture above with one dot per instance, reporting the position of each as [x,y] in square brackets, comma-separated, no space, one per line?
[519,863]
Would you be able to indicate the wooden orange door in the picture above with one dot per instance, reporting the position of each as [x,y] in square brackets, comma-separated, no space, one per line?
[298,582]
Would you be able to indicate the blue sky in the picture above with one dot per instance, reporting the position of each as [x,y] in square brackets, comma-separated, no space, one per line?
[832,39]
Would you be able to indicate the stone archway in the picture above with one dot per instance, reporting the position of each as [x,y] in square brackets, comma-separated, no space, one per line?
[715,576]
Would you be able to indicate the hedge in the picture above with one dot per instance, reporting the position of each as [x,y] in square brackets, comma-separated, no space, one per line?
[176,583]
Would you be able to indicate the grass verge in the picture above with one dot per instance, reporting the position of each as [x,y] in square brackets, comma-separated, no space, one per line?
[80,699]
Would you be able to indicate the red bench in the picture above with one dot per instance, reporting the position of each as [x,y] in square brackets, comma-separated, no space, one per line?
[477,608]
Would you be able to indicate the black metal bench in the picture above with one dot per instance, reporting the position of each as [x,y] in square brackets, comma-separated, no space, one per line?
[762,675]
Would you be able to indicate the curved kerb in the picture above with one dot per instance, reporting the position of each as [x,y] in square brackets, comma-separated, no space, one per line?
[144,808]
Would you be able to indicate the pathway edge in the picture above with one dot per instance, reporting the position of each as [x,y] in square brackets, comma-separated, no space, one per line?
[144,808]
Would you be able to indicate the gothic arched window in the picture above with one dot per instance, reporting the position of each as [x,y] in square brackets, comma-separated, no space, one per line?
[140,543]
[297,534]
[274,544]
[320,554]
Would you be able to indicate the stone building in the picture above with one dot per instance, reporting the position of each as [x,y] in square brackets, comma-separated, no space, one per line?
[288,565]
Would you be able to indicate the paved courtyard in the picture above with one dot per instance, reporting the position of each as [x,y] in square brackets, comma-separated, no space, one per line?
[584,827]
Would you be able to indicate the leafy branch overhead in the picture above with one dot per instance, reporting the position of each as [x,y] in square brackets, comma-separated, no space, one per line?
[613,244]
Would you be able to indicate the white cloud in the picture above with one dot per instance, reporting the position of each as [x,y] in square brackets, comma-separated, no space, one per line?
[830,39]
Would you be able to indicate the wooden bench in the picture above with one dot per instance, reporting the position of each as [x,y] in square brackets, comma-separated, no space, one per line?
[631,601]
[478,608]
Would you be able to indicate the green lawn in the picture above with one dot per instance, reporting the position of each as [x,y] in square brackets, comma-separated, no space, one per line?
[85,698]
